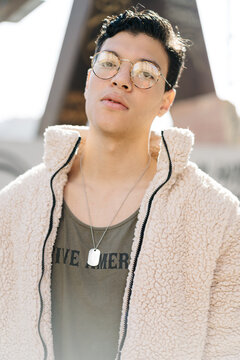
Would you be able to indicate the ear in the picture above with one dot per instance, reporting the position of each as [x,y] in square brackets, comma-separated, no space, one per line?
[87,82]
[167,101]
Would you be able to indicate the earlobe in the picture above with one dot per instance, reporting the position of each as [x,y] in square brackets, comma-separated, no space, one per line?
[167,101]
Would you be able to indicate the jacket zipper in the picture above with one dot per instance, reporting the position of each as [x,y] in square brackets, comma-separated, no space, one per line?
[44,245]
[124,332]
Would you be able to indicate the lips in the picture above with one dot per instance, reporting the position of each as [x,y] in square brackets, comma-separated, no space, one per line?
[114,101]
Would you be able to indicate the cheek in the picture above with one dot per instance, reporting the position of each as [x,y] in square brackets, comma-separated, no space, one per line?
[90,105]
[157,100]
[94,88]
[92,95]
[88,102]
[150,103]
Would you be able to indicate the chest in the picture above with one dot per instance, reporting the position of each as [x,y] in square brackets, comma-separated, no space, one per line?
[102,207]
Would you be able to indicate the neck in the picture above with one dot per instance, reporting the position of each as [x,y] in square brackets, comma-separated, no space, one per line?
[112,170]
[120,158]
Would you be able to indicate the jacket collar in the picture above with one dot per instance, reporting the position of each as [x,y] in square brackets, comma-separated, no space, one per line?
[59,141]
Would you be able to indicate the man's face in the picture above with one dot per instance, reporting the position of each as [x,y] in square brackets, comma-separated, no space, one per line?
[140,105]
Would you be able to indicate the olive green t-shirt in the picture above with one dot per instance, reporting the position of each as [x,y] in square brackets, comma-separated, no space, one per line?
[87,301]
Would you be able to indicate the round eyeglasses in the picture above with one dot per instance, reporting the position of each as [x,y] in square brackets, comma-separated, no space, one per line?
[144,74]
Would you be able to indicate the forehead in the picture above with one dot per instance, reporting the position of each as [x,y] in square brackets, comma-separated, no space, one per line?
[139,46]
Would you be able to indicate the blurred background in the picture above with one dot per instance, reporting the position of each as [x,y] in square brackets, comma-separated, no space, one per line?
[44,57]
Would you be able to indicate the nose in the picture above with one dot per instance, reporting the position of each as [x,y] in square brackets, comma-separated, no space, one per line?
[122,79]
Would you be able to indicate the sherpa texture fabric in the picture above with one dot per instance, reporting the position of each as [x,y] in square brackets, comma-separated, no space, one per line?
[185,301]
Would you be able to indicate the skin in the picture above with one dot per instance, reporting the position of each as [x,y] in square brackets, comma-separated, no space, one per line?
[118,139]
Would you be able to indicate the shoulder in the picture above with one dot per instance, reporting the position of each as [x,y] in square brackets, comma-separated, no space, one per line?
[201,184]
[24,186]
[207,201]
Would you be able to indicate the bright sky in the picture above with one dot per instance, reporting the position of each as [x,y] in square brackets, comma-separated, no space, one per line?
[29,54]
[30,50]
[220,22]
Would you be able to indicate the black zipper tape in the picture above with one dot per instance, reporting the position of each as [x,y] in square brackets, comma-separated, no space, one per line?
[45,241]
[140,245]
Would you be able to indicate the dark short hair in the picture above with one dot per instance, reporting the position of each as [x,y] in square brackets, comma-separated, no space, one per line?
[151,24]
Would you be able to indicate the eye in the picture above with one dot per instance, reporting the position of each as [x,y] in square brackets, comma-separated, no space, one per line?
[147,75]
[108,64]
[145,70]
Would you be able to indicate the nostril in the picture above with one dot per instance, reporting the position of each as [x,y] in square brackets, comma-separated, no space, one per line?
[124,86]
[121,84]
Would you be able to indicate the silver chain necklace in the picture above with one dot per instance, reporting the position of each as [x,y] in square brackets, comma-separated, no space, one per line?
[94,253]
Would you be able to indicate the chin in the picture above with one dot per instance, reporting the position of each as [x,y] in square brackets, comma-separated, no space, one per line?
[110,126]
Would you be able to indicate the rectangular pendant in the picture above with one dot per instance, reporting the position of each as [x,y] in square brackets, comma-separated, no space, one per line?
[93,257]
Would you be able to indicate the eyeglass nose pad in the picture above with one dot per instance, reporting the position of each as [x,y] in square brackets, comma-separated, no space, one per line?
[129,69]
[118,79]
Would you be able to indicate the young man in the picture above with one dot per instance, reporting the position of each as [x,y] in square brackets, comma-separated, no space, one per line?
[117,229]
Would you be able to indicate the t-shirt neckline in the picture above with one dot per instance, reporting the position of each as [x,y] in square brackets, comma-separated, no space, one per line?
[98,228]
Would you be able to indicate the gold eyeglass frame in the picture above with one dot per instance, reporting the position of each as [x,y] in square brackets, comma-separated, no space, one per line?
[132,64]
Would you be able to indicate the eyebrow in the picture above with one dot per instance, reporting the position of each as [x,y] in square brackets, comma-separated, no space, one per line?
[141,59]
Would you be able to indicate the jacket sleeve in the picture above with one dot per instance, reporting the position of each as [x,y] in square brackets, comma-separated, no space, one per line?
[223,333]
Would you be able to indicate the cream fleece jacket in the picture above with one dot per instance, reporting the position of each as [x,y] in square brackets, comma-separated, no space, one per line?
[182,297]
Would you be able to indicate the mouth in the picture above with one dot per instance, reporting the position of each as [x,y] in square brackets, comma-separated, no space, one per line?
[114,103]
